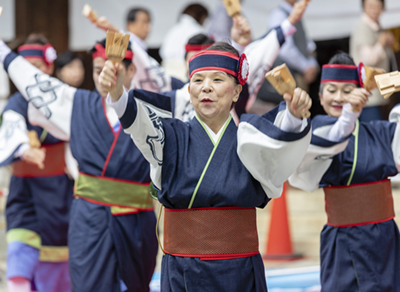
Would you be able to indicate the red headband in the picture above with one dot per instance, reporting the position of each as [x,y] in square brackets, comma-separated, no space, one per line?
[196,48]
[34,51]
[101,52]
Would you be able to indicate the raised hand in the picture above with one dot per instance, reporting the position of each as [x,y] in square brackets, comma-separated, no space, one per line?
[103,23]
[241,32]
[298,104]
[357,98]
[35,156]
[111,79]
[297,11]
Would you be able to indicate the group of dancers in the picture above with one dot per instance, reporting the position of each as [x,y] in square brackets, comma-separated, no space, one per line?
[80,215]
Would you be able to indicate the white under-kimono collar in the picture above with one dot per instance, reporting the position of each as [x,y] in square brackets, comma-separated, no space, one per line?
[215,136]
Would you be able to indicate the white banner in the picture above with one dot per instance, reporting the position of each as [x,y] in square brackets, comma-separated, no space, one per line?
[324,19]
[7,20]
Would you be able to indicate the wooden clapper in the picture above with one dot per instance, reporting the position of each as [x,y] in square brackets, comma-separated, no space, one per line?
[367,75]
[283,82]
[89,13]
[233,7]
[116,46]
[388,83]
[34,141]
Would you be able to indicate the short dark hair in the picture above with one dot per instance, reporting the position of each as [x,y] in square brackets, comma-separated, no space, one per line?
[131,17]
[340,58]
[200,39]
[126,62]
[36,39]
[223,46]
[197,11]
[65,58]
[363,2]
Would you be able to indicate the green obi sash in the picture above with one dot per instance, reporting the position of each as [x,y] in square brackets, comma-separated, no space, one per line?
[113,192]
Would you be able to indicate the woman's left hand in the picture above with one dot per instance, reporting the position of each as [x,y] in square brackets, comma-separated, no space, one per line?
[298,104]
[241,32]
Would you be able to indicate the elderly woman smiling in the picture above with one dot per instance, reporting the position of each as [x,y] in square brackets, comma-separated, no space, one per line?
[209,173]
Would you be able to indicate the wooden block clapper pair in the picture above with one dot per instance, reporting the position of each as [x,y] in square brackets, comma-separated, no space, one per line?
[283,82]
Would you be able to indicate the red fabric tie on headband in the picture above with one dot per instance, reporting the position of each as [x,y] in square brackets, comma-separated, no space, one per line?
[196,48]
[101,52]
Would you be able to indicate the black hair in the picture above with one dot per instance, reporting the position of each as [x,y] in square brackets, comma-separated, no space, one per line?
[340,58]
[197,11]
[65,58]
[200,39]
[383,3]
[36,39]
[225,47]
[131,17]
[126,62]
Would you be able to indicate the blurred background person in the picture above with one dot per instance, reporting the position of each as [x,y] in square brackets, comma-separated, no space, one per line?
[70,69]
[138,23]
[220,23]
[372,46]
[40,190]
[172,50]
[296,52]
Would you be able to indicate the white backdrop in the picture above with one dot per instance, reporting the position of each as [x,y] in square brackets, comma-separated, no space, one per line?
[324,19]
[7,22]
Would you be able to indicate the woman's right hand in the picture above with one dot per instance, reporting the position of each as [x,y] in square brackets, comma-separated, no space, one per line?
[297,11]
[357,98]
[111,79]
[35,156]
[104,24]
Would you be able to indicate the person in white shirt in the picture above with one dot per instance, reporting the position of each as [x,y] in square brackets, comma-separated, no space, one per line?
[172,49]
[372,46]
[138,23]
